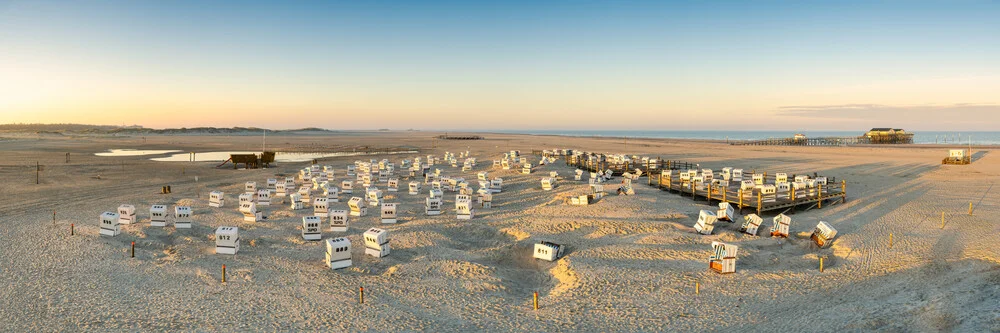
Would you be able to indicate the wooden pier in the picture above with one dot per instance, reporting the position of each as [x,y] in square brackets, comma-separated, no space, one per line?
[826,141]
[733,193]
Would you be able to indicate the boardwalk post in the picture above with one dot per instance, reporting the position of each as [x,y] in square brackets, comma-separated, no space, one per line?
[740,193]
[820,194]
[760,202]
[692,191]
[709,194]
[724,190]
[970,209]
[536,300]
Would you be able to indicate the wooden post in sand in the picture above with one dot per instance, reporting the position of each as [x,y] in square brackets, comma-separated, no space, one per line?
[709,194]
[970,208]
[536,300]
[361,295]
[133,249]
[724,190]
[71,229]
[38,170]
[890,241]
[697,287]
[53,217]
[821,264]
[843,190]
[223,273]
[942,220]
[692,190]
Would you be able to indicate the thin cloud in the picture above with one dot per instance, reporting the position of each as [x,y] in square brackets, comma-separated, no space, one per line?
[959,116]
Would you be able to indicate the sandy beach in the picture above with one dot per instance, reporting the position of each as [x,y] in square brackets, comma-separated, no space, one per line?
[632,262]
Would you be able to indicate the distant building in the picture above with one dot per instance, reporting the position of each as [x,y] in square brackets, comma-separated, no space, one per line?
[889,135]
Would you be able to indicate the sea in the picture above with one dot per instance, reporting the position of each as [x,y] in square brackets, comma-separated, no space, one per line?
[929,137]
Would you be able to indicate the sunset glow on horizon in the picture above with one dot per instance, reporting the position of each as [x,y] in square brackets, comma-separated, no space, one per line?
[517,65]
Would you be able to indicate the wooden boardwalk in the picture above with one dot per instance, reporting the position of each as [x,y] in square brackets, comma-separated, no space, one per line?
[733,193]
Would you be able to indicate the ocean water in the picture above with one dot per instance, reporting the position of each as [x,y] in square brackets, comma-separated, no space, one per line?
[978,138]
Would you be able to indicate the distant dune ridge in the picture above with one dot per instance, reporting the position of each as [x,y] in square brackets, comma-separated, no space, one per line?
[136,129]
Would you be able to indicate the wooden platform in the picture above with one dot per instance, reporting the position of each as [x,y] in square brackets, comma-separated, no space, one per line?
[752,199]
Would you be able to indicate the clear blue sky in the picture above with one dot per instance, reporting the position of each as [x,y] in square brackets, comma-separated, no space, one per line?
[459,64]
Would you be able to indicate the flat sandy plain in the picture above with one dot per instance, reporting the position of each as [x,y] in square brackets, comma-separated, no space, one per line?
[632,264]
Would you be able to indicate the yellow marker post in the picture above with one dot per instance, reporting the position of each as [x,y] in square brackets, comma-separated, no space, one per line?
[821,264]
[536,300]
[890,241]
[697,288]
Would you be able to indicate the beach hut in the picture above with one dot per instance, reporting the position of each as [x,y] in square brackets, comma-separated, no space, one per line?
[272,183]
[768,193]
[383,176]
[295,201]
[216,199]
[321,207]
[227,240]
[158,215]
[250,213]
[331,193]
[707,174]
[727,213]
[389,213]
[393,184]
[750,224]
[126,214]
[578,175]
[435,193]
[727,173]
[311,228]
[246,197]
[464,210]
[347,187]
[758,178]
[280,190]
[496,185]
[264,198]
[109,224]
[351,170]
[957,156]
[737,175]
[706,222]
[801,179]
[483,176]
[432,206]
[780,227]
[338,220]
[548,184]
[250,187]
[306,192]
[290,182]
[376,242]
[486,200]
[526,168]
[374,196]
[823,235]
[581,200]
[548,251]
[358,207]
[723,259]
[780,177]
[182,217]
[414,188]
[338,253]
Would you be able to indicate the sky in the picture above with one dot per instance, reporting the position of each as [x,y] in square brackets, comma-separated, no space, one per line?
[471,65]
